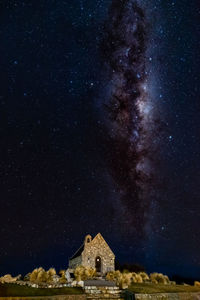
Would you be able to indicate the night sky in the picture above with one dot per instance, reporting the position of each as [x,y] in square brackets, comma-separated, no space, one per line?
[100,132]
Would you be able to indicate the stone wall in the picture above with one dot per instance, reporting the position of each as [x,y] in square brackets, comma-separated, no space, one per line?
[92,249]
[98,247]
[169,296]
[73,263]
[102,292]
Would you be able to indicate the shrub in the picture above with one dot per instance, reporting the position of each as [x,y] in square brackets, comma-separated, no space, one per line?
[145,276]
[50,275]
[138,278]
[197,283]
[40,275]
[114,276]
[51,272]
[62,276]
[9,279]
[125,280]
[62,273]
[27,277]
[110,276]
[33,275]
[159,278]
[84,273]
[134,277]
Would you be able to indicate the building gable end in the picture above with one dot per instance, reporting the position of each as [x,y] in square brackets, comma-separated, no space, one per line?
[99,238]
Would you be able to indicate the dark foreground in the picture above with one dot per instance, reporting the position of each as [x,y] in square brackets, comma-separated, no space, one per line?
[15,290]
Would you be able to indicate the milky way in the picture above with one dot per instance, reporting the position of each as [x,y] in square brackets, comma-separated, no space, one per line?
[129,110]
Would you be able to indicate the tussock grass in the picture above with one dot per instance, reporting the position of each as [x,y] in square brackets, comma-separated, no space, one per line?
[84,273]
[150,288]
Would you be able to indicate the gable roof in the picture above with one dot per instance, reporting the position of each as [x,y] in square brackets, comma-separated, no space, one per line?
[101,237]
[78,252]
[82,247]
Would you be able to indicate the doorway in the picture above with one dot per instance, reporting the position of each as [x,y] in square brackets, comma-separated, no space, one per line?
[98,264]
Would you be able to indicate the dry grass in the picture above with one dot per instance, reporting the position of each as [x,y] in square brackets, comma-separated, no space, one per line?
[197,284]
[159,278]
[9,279]
[154,283]
[39,275]
[62,276]
[150,288]
[15,290]
[84,273]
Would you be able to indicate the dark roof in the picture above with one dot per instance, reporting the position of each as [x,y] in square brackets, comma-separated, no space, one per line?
[78,252]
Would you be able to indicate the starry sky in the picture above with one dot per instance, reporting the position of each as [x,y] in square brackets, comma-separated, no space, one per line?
[100,132]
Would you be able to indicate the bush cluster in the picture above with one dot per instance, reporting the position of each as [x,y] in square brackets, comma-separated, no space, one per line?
[39,275]
[9,279]
[84,273]
[125,279]
[159,278]
[62,276]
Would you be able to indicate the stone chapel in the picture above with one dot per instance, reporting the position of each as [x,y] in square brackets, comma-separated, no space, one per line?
[94,253]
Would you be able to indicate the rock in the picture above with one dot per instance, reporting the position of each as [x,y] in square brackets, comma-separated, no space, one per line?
[80,283]
[74,283]
[34,285]
[55,278]
[67,276]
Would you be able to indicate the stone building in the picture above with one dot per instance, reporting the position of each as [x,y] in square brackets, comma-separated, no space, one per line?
[94,253]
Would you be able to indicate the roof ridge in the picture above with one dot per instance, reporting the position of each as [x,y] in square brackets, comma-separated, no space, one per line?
[77,252]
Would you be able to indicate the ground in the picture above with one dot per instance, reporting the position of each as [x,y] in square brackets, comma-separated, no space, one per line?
[149,288]
[25,291]
[138,288]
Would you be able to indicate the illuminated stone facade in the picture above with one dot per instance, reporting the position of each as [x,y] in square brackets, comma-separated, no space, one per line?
[94,253]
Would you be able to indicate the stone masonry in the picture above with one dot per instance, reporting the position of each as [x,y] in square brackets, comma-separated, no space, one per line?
[103,292]
[94,253]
